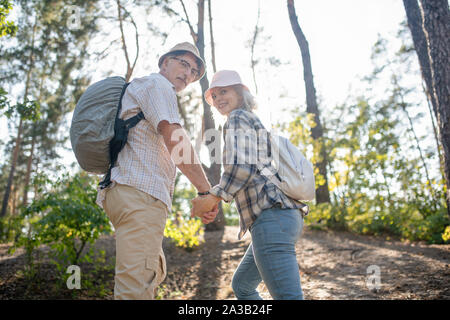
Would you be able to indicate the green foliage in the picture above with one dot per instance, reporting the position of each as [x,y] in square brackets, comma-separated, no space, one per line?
[180,228]
[66,219]
[44,67]
[300,135]
[406,222]
[185,233]
[182,196]
[230,213]
[377,185]
[446,234]
[379,166]
[3,98]
[7,28]
[10,227]
[164,293]
[28,110]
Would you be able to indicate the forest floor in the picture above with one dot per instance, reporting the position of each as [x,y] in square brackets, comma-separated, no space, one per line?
[333,265]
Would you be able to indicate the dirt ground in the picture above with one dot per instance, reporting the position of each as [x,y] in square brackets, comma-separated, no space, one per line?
[333,265]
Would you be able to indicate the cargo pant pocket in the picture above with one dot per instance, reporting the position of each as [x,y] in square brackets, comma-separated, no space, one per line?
[155,270]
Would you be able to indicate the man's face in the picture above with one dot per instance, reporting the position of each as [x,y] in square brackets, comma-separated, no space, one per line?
[180,70]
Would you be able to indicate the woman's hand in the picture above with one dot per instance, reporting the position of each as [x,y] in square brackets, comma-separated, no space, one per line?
[209,217]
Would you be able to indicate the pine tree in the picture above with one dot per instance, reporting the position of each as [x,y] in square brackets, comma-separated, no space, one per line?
[49,47]
[317,132]
[430,27]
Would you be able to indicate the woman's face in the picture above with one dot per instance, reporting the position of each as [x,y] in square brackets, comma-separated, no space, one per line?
[226,99]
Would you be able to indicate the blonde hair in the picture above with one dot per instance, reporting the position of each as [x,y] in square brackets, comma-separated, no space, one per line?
[248,100]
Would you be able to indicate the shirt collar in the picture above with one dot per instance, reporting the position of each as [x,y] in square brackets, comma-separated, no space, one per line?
[165,79]
[235,110]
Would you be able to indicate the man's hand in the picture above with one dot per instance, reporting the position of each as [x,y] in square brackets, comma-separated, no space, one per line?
[205,207]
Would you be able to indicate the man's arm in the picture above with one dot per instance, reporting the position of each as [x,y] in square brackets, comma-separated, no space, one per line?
[183,154]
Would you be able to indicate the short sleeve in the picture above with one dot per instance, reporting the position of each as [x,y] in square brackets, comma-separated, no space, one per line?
[158,102]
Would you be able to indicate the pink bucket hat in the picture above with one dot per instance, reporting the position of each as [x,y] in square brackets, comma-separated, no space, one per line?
[223,78]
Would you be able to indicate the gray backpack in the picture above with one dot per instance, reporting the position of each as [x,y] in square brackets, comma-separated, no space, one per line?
[97,134]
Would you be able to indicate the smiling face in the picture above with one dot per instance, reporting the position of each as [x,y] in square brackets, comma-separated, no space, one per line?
[180,70]
[226,99]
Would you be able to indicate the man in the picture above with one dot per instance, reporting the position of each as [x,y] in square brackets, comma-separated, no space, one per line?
[140,196]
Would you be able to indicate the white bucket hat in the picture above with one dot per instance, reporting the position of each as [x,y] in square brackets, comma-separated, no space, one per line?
[188,47]
[223,78]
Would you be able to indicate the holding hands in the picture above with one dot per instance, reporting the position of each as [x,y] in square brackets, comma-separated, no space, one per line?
[206,207]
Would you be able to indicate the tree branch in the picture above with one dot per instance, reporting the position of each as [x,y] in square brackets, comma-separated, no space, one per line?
[213,50]
[255,36]
[137,39]
[124,45]
[193,34]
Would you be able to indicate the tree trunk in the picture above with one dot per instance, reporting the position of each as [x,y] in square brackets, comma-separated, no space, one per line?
[12,170]
[33,144]
[13,200]
[36,194]
[415,24]
[28,173]
[322,192]
[434,21]
[15,154]
[420,43]
[213,172]
[435,132]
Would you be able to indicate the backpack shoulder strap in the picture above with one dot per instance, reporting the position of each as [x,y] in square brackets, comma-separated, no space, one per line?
[121,128]
[133,121]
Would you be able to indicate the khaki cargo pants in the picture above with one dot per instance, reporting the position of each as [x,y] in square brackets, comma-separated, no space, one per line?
[139,220]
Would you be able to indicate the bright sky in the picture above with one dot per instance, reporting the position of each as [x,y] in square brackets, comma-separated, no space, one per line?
[340,35]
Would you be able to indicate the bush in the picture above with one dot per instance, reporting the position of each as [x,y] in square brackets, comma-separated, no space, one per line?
[446,234]
[66,219]
[184,233]
[10,228]
[405,221]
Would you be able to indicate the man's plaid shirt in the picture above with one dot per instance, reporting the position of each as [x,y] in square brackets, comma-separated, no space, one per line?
[145,163]
[246,141]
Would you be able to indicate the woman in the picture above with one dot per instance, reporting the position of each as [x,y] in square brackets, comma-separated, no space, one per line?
[274,220]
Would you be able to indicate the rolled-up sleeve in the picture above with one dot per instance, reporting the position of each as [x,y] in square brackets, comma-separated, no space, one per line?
[239,157]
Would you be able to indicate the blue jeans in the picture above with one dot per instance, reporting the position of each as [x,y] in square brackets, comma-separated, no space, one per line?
[271,257]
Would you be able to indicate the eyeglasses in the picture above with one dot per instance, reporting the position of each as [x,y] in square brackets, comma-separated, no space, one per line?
[187,66]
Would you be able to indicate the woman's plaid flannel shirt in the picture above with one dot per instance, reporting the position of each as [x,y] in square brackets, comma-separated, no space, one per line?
[246,140]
